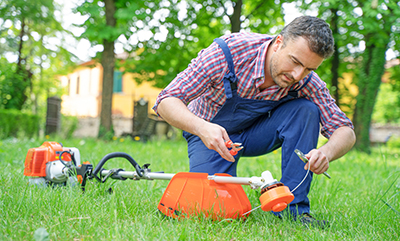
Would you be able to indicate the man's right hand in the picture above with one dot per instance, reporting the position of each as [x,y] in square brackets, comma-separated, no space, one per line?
[214,137]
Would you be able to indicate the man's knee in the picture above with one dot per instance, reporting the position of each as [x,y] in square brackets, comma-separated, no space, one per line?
[297,116]
[300,109]
[308,109]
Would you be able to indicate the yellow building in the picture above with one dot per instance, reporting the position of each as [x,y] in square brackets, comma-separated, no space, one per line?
[84,88]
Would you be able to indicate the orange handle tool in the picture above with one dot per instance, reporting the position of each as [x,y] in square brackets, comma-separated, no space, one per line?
[235,147]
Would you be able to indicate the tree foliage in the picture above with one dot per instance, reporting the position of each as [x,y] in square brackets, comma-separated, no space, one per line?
[101,28]
[380,27]
[179,29]
[164,35]
[27,33]
[107,21]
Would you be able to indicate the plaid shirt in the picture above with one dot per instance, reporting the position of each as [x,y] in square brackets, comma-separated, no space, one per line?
[200,85]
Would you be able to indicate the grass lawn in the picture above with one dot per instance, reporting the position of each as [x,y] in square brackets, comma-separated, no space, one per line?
[361,201]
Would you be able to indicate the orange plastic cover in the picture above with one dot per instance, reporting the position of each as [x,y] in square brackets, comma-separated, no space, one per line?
[276,199]
[36,159]
[190,193]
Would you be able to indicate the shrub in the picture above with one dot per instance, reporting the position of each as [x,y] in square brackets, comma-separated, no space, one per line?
[14,123]
[68,126]
[394,142]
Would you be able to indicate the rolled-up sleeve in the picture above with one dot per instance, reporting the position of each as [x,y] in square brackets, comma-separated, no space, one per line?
[332,117]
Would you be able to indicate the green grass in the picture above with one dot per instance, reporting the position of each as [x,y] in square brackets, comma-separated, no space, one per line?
[361,201]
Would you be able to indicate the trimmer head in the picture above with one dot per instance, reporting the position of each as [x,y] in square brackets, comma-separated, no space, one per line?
[276,198]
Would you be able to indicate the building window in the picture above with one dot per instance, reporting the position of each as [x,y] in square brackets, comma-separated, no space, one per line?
[117,88]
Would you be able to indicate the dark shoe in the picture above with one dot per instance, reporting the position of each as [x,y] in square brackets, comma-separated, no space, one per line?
[309,221]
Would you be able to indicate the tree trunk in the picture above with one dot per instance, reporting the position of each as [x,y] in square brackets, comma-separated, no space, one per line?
[370,75]
[335,59]
[235,18]
[20,81]
[368,83]
[21,42]
[108,63]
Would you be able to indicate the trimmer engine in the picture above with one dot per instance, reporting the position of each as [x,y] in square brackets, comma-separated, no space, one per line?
[51,163]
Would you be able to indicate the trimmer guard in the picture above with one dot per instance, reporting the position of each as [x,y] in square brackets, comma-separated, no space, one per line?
[190,194]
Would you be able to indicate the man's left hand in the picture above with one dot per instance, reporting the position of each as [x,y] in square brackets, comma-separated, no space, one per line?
[318,161]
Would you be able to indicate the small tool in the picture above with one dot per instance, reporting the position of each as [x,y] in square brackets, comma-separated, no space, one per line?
[305,160]
[235,147]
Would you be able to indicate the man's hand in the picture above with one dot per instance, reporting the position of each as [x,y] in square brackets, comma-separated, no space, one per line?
[341,141]
[318,161]
[214,137]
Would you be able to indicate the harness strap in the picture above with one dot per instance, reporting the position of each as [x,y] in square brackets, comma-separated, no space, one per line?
[294,93]
[230,80]
[231,76]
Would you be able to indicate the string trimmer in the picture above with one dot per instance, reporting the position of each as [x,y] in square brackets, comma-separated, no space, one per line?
[218,196]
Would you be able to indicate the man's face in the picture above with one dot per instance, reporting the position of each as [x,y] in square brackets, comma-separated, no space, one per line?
[292,63]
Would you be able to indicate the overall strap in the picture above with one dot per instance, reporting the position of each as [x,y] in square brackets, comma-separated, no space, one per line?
[305,83]
[229,79]
[294,93]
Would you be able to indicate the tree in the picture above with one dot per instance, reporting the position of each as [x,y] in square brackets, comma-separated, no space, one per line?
[381,27]
[173,25]
[107,21]
[108,62]
[26,31]
[180,29]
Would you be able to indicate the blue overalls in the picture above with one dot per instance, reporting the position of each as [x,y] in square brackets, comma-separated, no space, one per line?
[262,126]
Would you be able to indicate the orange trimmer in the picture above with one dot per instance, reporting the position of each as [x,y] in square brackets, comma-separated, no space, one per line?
[218,196]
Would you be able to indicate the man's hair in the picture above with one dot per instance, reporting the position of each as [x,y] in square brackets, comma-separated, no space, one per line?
[315,30]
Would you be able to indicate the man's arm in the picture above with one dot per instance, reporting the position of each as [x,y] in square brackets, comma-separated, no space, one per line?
[214,136]
[341,141]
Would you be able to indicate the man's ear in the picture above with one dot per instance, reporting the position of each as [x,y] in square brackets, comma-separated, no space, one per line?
[278,43]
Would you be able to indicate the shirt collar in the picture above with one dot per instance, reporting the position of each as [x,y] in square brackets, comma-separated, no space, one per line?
[276,90]
[258,74]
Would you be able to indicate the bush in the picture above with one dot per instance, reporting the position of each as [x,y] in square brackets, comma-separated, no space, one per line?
[68,126]
[394,142]
[386,108]
[14,123]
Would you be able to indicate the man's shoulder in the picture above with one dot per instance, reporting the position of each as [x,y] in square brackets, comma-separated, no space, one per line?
[245,43]
[316,79]
[315,83]
[247,36]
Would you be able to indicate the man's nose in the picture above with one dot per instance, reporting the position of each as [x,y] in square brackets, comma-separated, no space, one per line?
[298,73]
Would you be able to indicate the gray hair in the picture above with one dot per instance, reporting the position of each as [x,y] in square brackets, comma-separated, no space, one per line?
[315,30]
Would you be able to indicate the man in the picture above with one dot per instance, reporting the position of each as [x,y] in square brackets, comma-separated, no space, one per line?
[261,91]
